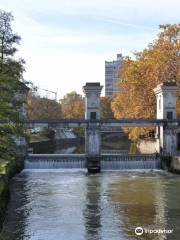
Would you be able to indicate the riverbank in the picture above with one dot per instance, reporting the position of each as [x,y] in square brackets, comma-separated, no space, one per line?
[7,170]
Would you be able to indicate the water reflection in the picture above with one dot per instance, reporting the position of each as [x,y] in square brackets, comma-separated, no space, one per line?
[92,211]
[18,211]
[76,206]
[142,202]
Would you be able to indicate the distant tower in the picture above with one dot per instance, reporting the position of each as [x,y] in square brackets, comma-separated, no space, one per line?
[166,96]
[93,135]
[112,75]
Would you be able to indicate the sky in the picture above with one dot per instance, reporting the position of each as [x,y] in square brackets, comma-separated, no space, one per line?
[65,42]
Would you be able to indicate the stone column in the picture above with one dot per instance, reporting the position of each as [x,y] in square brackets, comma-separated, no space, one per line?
[92,133]
[166,94]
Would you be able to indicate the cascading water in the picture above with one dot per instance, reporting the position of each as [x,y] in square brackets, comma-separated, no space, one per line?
[54,161]
[108,161]
[122,162]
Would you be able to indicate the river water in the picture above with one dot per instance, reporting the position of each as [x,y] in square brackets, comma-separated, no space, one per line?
[72,205]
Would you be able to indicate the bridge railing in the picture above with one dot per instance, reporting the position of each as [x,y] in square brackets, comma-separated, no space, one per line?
[103,123]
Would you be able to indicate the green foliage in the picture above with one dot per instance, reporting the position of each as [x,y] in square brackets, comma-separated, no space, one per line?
[134,149]
[12,89]
[3,166]
[48,132]
[80,132]
[7,37]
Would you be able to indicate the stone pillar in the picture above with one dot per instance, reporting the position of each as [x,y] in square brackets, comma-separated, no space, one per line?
[93,135]
[166,94]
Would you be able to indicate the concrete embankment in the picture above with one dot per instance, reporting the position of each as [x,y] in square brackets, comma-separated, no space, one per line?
[7,170]
[175,164]
[172,164]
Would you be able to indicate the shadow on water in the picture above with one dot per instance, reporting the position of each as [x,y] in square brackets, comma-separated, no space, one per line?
[18,210]
[58,146]
[110,141]
[92,211]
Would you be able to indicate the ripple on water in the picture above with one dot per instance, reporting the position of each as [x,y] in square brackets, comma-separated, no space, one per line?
[55,205]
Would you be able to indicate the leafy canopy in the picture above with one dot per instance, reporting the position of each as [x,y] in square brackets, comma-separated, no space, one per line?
[11,87]
[159,62]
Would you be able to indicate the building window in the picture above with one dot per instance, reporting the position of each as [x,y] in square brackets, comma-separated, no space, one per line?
[169,115]
[93,115]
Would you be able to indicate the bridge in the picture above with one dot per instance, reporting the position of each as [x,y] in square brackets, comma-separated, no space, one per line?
[167,126]
[105,124]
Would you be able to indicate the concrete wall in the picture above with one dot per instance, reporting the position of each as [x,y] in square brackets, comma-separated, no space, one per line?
[172,164]
[175,164]
[147,146]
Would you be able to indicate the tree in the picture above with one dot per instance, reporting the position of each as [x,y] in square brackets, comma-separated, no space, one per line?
[11,87]
[7,37]
[43,108]
[10,70]
[158,63]
[72,105]
[105,106]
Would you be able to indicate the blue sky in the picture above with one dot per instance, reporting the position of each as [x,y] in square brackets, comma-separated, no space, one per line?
[66,42]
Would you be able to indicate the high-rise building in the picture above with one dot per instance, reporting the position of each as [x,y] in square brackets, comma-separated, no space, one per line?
[112,75]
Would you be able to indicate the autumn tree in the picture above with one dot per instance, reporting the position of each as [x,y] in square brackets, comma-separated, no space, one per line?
[72,105]
[43,108]
[39,107]
[160,62]
[105,107]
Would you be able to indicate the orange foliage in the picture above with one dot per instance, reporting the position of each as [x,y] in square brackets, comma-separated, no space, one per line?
[73,105]
[105,106]
[43,108]
[160,62]
[74,109]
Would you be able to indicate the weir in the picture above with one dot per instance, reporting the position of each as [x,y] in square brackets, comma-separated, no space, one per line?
[129,162]
[55,161]
[167,128]
[79,161]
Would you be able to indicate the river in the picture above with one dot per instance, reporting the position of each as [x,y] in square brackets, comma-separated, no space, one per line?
[72,205]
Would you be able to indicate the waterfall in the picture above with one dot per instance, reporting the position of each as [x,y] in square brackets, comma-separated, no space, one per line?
[122,162]
[108,161]
[55,161]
